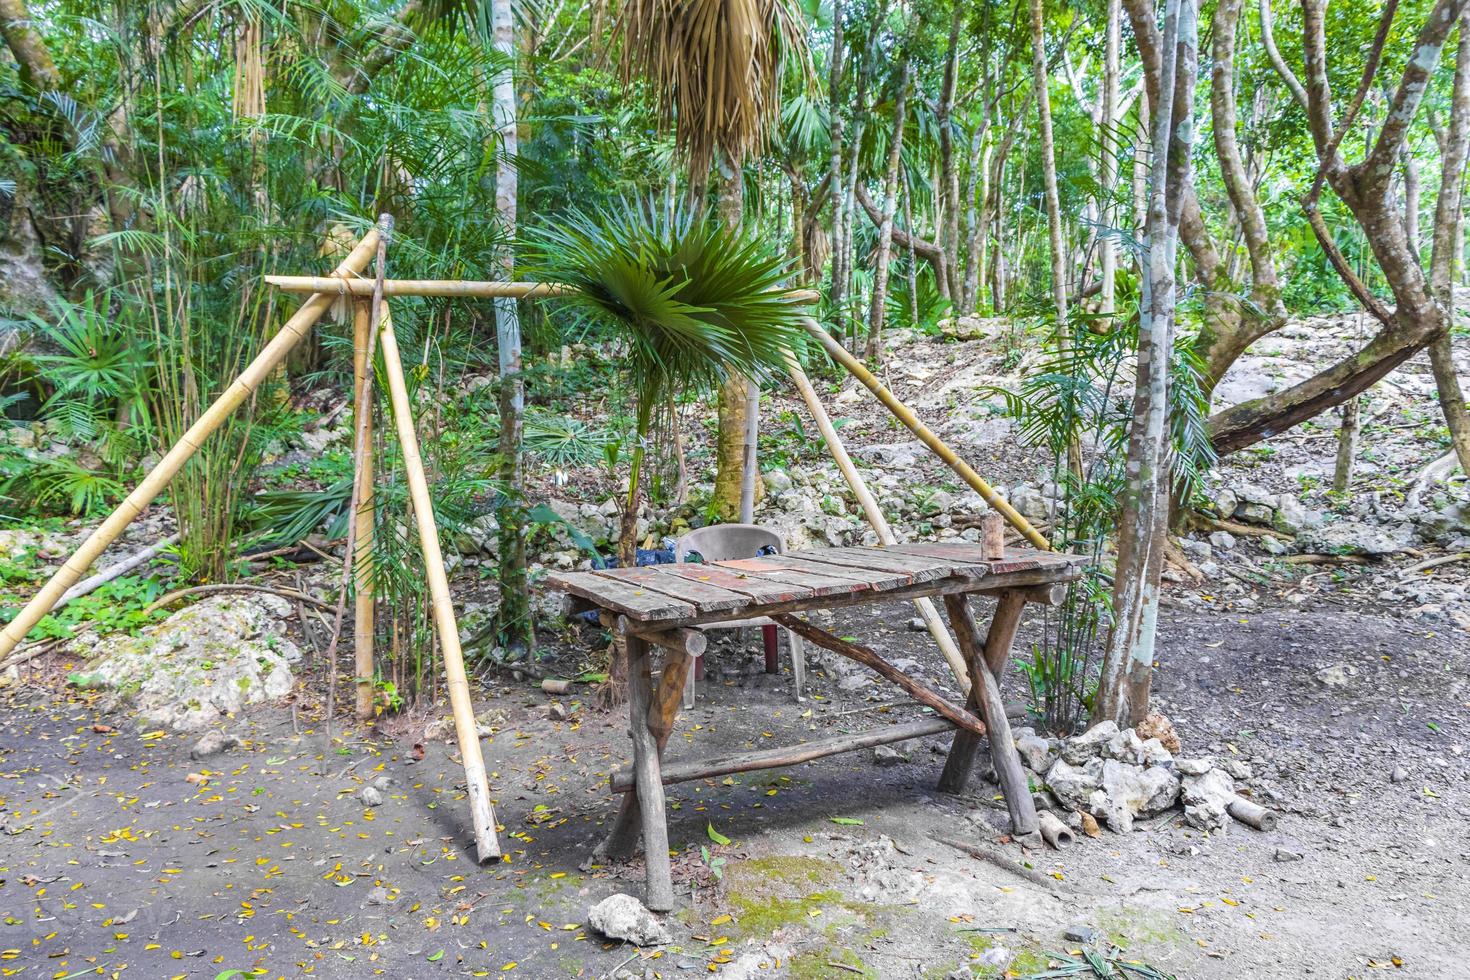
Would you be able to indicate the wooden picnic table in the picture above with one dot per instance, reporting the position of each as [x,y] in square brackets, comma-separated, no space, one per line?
[663,606]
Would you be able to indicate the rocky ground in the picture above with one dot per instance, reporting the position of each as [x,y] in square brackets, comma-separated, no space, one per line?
[1313,646]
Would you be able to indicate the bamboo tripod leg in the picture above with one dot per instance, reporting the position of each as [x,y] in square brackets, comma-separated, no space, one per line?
[660,881]
[986,695]
[158,478]
[879,523]
[481,810]
[911,421]
[364,598]
[622,838]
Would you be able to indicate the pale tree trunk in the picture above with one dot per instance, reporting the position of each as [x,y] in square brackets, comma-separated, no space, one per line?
[1108,161]
[977,220]
[1449,220]
[1411,201]
[949,236]
[1123,689]
[738,403]
[37,69]
[838,292]
[1049,165]
[513,621]
[912,272]
[885,227]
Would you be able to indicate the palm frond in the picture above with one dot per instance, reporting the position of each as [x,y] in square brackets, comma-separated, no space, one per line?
[696,301]
[715,68]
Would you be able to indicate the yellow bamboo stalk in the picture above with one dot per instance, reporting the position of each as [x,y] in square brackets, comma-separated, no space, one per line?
[158,478]
[905,415]
[363,603]
[481,810]
[879,523]
[467,288]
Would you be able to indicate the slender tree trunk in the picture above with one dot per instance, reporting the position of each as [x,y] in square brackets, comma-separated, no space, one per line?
[514,626]
[885,228]
[977,219]
[735,404]
[1347,445]
[1108,162]
[912,272]
[1123,689]
[838,292]
[1411,201]
[949,237]
[1449,221]
[1049,165]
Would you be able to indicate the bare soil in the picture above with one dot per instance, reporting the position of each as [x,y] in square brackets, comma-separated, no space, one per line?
[114,863]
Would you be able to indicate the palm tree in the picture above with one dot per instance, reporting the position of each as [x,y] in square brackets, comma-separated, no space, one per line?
[715,70]
[696,301]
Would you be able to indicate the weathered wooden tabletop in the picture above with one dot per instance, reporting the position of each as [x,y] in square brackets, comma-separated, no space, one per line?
[693,594]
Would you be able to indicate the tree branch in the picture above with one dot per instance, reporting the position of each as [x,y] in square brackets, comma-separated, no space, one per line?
[1268,41]
[37,69]
[1405,105]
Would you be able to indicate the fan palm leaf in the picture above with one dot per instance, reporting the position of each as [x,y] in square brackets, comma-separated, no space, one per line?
[697,301]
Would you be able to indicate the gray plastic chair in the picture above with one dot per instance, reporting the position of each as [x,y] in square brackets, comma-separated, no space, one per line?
[728,542]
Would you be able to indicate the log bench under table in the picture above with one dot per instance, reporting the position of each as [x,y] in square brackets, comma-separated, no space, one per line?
[664,605]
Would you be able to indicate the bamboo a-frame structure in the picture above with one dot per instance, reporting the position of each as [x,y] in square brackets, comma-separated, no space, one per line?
[347,280]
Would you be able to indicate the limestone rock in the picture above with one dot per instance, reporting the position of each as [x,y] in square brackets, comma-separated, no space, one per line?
[1037,753]
[212,743]
[1074,785]
[624,917]
[1154,754]
[1089,744]
[204,663]
[1356,538]
[1125,746]
[1206,798]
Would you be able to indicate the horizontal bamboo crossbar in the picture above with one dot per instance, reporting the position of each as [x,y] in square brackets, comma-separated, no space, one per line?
[467,288]
[791,755]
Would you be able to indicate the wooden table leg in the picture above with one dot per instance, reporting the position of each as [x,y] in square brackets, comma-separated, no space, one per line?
[985,698]
[660,890]
[961,760]
[622,838]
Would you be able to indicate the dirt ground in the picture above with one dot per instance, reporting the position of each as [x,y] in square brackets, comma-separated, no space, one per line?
[114,863]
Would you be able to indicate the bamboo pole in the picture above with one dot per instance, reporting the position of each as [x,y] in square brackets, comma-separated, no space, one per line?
[905,415]
[158,478]
[467,288]
[874,514]
[481,810]
[364,597]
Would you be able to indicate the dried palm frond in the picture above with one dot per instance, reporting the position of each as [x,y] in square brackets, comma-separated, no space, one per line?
[714,67]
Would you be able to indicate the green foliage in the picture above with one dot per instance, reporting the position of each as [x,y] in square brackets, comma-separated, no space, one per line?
[1076,405]
[693,299]
[901,302]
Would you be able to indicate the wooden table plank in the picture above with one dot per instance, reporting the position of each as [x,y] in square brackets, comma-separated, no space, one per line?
[633,601]
[922,568]
[878,579]
[705,596]
[761,591]
[1015,560]
[775,568]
